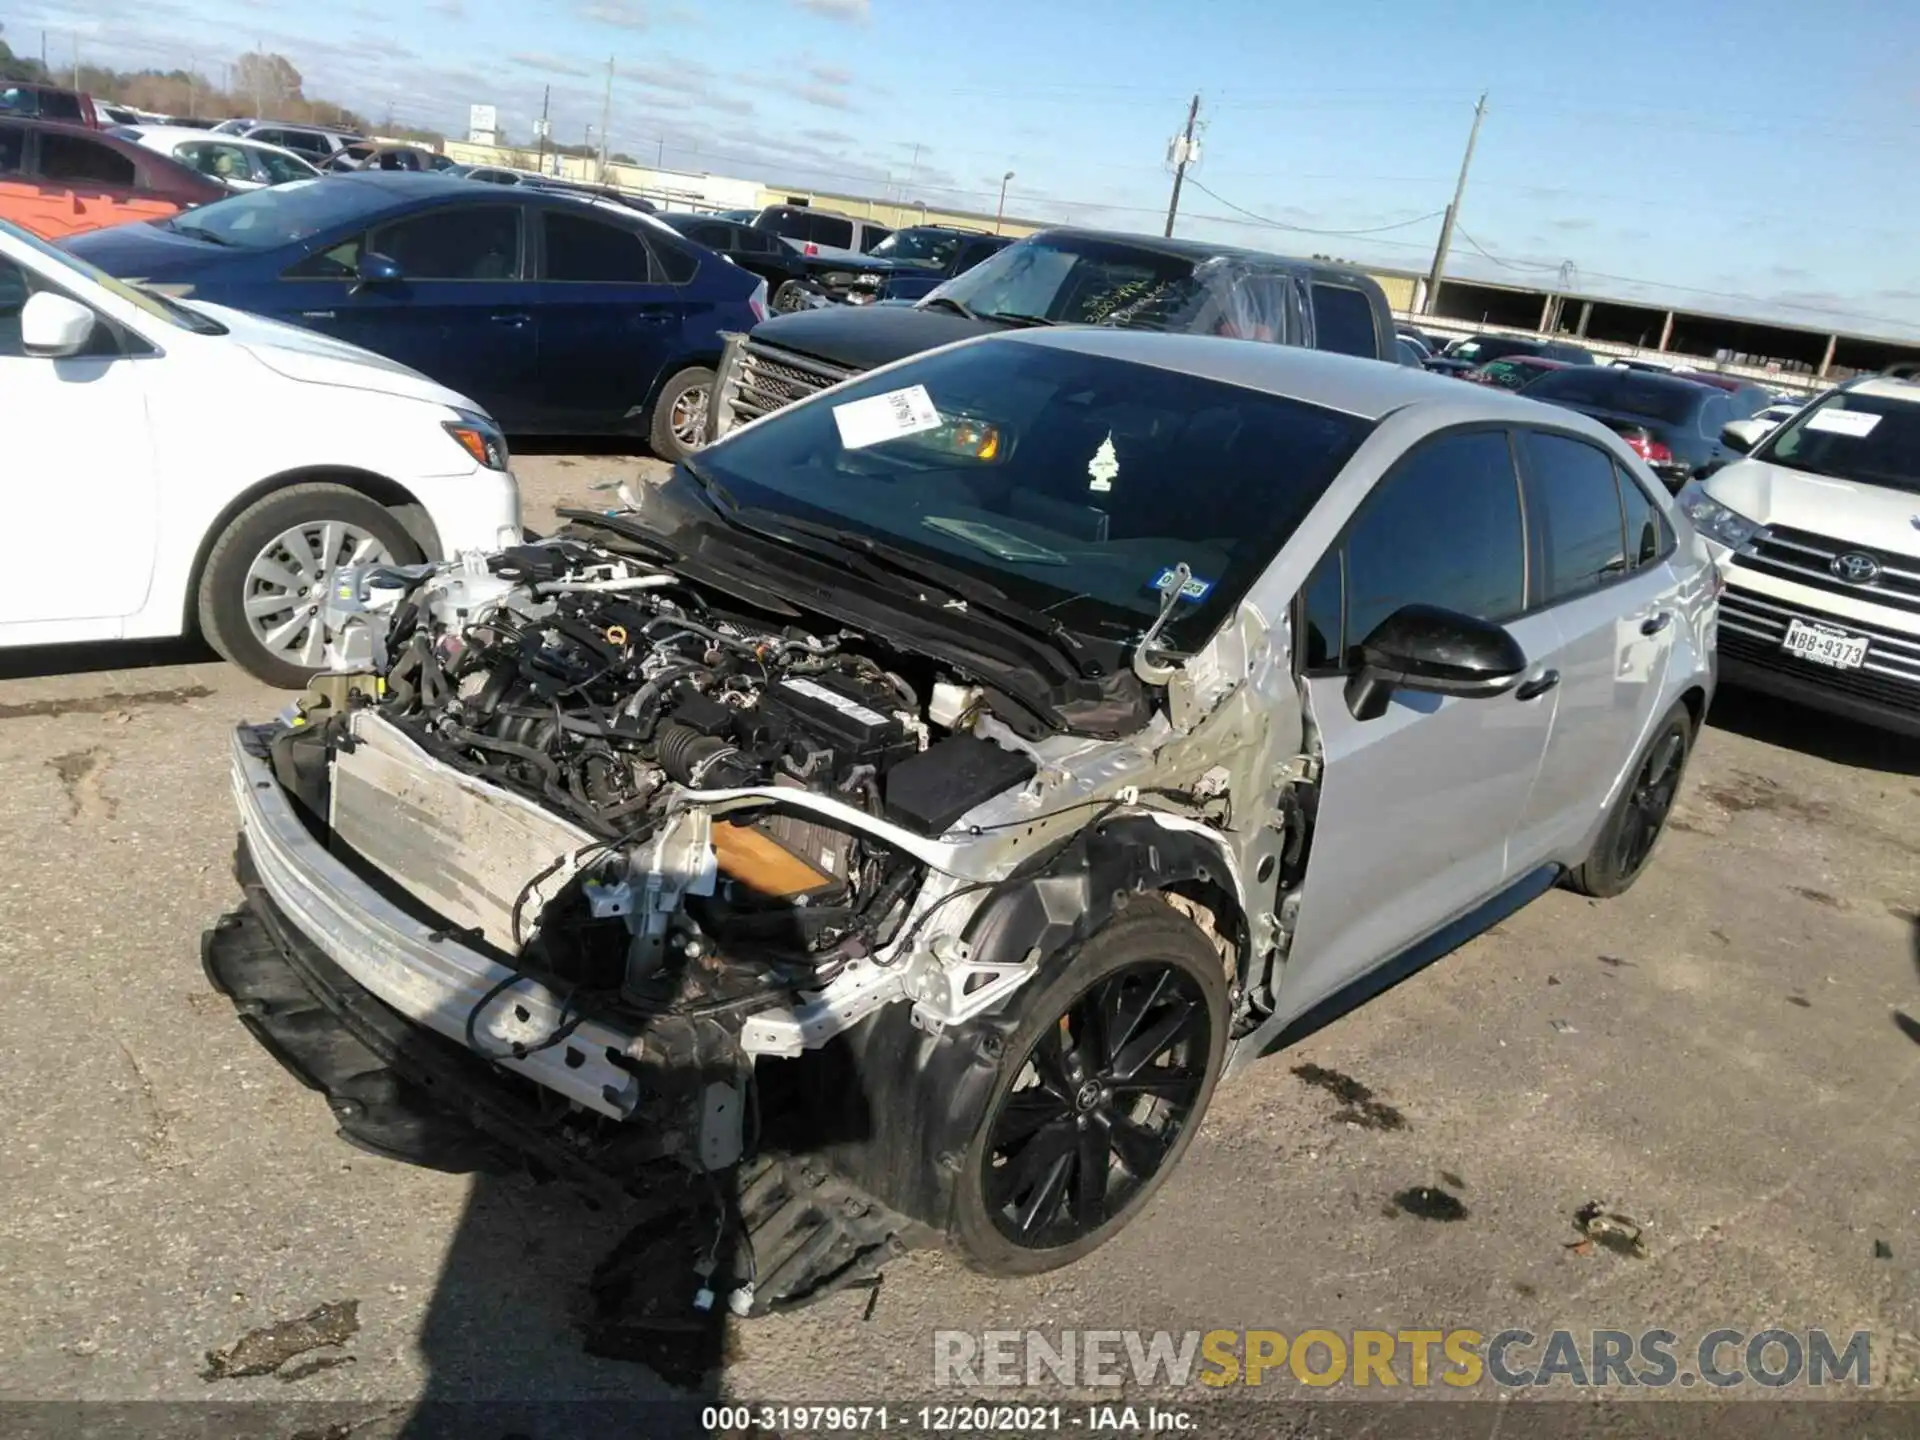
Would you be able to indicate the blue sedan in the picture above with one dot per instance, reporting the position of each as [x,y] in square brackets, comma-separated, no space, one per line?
[560,315]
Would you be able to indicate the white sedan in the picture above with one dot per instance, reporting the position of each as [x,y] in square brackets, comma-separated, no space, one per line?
[180,467]
[236,162]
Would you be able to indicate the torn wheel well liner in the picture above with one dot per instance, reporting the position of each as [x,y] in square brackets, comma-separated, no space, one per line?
[900,1106]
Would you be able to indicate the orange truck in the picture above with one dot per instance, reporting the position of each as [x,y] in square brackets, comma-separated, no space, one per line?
[58,180]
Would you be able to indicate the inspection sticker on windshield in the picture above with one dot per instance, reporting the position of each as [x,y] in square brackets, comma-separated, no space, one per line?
[879,418]
[1194,589]
[1857,423]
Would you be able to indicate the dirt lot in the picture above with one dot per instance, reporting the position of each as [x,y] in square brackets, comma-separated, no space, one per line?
[1730,1054]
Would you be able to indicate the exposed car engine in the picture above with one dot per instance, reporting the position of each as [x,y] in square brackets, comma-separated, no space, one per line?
[607,691]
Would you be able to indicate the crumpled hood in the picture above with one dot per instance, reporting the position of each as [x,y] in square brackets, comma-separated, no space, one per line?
[1869,515]
[316,359]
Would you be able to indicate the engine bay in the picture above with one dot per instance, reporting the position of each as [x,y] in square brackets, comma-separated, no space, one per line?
[616,695]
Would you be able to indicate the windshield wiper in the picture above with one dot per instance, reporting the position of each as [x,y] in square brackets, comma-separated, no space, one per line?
[947,302]
[199,234]
[1024,320]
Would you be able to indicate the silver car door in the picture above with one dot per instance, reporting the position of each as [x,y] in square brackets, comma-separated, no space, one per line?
[1416,805]
[1617,605]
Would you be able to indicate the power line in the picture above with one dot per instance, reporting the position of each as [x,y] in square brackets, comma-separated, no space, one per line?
[1507,264]
[1311,230]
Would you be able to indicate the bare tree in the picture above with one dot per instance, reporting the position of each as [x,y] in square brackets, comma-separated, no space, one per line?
[267,81]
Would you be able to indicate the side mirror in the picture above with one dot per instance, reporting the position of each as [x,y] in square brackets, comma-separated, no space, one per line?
[1743,435]
[54,327]
[375,269]
[1441,652]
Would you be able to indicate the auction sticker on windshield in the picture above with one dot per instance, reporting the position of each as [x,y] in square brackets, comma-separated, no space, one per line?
[880,418]
[1857,423]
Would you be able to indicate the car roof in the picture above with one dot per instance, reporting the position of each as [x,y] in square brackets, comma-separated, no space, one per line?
[1351,384]
[1641,379]
[191,132]
[1886,387]
[1193,249]
[62,127]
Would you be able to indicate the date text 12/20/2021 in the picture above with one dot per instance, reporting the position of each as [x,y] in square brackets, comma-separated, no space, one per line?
[945,1419]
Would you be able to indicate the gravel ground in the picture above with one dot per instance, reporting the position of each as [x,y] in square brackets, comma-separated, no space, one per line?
[1730,1054]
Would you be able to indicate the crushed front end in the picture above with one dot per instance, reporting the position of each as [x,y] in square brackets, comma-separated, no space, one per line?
[572,863]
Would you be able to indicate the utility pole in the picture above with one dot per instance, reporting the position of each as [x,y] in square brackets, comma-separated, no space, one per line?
[546,99]
[606,115]
[43,54]
[660,155]
[1446,225]
[1183,151]
[193,69]
[1000,213]
[76,62]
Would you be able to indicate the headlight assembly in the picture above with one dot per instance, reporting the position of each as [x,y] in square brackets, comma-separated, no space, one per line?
[1712,519]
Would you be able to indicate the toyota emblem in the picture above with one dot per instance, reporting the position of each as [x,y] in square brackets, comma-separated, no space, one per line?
[1856,567]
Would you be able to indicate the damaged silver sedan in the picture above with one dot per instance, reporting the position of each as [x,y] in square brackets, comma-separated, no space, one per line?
[897,823]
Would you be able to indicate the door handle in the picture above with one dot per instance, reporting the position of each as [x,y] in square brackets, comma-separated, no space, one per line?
[1536,687]
[652,317]
[513,318]
[1656,622]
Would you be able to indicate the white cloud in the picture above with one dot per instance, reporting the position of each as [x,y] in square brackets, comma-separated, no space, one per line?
[852,11]
[550,64]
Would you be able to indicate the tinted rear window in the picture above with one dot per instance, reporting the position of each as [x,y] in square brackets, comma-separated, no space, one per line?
[76,160]
[59,105]
[825,230]
[1343,321]
[1628,391]
[580,248]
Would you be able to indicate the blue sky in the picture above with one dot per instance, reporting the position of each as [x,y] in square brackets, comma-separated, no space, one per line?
[1752,158]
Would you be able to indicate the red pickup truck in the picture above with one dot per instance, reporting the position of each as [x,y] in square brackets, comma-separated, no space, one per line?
[58,180]
[33,101]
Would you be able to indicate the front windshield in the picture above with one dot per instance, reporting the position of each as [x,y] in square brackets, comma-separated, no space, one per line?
[159,307]
[1064,279]
[280,215]
[921,247]
[1075,483]
[1872,439]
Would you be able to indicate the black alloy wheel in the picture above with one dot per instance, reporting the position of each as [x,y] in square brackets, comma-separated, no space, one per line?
[1648,802]
[1639,816]
[1106,1092]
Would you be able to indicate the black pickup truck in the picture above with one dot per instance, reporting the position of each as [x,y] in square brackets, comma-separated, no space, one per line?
[906,265]
[1061,277]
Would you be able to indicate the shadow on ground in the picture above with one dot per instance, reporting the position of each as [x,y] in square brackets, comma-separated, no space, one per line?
[1843,742]
[511,1333]
[32,661]
[593,446]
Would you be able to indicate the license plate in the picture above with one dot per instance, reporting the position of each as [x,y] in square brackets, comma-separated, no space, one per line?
[1825,645]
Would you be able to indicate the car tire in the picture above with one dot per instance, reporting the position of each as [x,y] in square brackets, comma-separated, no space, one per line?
[1639,816]
[243,575]
[1147,944]
[680,414]
[791,296]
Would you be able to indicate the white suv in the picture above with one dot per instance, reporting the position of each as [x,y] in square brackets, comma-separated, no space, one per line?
[1818,535]
[175,465]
